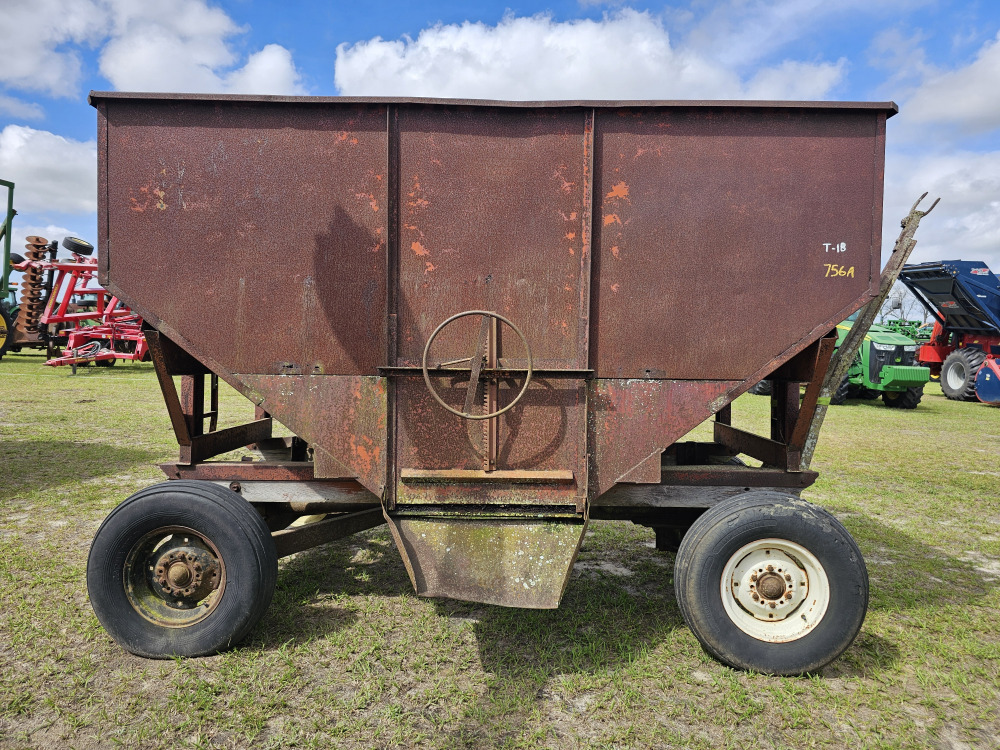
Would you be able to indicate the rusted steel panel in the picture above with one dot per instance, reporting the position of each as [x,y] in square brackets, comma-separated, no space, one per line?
[633,421]
[723,226]
[494,215]
[511,562]
[257,232]
[544,432]
[343,418]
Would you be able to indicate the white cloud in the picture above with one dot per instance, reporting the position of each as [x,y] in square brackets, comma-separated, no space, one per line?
[270,71]
[48,231]
[966,96]
[32,36]
[627,55]
[52,174]
[966,223]
[182,45]
[19,109]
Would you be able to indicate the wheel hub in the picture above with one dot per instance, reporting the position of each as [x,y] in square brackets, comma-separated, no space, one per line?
[186,572]
[174,577]
[769,584]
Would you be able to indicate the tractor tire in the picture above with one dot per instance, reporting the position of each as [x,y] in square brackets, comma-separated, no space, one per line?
[840,395]
[958,374]
[78,246]
[770,583]
[105,362]
[16,259]
[868,394]
[6,330]
[907,399]
[763,388]
[182,568]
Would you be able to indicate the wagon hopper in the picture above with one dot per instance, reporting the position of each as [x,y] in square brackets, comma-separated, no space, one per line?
[499,321]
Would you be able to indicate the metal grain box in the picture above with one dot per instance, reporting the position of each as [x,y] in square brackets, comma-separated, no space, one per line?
[489,321]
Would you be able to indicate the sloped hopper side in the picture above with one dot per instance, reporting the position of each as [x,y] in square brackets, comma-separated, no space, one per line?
[515,562]
[659,258]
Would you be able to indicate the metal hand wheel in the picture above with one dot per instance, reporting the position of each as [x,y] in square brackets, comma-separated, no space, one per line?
[476,364]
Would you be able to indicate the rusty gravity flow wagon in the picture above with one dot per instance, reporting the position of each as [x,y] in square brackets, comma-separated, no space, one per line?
[497,322]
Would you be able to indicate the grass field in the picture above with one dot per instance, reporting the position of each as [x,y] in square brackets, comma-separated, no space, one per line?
[347,656]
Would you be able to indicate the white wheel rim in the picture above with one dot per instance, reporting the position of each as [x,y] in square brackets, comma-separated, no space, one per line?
[956,376]
[775,590]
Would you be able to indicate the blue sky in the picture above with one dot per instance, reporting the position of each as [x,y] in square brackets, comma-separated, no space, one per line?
[939,60]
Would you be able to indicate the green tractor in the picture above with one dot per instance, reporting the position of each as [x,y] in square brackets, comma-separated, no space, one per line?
[884,366]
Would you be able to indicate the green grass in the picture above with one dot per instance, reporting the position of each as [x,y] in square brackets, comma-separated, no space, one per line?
[347,656]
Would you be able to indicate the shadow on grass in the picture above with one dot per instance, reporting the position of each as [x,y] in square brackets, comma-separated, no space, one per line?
[908,574]
[603,627]
[332,569]
[38,465]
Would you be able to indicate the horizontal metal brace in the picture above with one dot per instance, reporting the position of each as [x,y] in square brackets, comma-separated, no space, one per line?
[475,476]
[289,541]
[734,476]
[222,441]
[771,452]
[492,372]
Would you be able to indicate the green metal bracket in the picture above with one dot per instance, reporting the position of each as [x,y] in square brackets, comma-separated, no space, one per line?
[5,230]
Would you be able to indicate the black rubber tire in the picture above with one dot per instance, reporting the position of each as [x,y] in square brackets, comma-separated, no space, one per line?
[763,388]
[907,399]
[859,391]
[840,396]
[958,374]
[105,362]
[723,530]
[219,514]
[78,246]
[7,324]
[16,259]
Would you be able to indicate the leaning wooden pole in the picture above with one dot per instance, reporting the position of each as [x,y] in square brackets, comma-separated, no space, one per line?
[842,358]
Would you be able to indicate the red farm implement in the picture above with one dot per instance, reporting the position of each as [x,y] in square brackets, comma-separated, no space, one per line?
[499,322]
[62,305]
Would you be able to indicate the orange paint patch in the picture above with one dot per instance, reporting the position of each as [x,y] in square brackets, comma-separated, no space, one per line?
[419,249]
[615,288]
[618,191]
[371,199]
[570,235]
[430,267]
[611,219]
[614,251]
